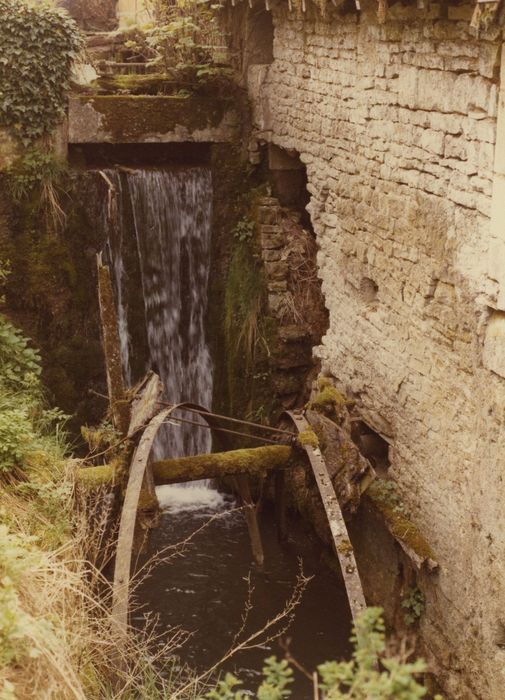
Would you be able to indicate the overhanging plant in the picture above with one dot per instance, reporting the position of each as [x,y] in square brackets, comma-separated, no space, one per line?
[38,45]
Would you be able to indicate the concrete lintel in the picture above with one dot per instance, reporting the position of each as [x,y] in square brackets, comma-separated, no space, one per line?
[149,118]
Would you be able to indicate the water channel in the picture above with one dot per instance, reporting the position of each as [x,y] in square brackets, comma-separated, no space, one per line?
[159,251]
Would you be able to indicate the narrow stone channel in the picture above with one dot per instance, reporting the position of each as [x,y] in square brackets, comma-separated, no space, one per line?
[165,216]
[205,590]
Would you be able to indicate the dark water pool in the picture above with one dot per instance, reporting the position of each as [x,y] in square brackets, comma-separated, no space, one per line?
[206,588]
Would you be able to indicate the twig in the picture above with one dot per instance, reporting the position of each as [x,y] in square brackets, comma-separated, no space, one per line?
[253,641]
[284,645]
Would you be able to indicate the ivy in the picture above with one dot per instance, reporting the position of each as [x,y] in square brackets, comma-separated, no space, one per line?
[38,45]
[19,363]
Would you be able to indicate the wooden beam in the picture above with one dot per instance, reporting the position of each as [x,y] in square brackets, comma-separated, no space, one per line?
[112,349]
[252,461]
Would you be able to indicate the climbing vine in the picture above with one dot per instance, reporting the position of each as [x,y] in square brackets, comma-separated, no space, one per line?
[37,47]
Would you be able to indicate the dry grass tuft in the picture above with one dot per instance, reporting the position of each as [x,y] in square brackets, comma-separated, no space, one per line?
[57,639]
[304,299]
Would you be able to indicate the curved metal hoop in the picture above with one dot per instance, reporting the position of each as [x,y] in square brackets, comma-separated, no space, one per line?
[341,541]
[121,585]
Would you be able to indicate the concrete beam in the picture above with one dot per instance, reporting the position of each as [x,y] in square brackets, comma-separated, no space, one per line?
[152,118]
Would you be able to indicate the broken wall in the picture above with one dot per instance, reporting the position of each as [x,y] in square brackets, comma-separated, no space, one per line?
[397,124]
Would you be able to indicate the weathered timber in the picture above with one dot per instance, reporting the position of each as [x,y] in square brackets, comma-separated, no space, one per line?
[405,532]
[281,506]
[251,518]
[145,403]
[144,407]
[252,461]
[340,536]
[112,350]
[350,473]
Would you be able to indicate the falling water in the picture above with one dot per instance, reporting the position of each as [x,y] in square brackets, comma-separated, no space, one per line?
[165,216]
[172,217]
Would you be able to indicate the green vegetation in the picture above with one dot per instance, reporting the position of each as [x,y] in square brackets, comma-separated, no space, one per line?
[51,290]
[56,637]
[413,602]
[247,332]
[185,32]
[39,44]
[369,674]
[275,686]
[385,497]
[34,518]
[328,400]
[37,178]
[19,363]
[244,230]
[308,437]
[34,170]
[385,493]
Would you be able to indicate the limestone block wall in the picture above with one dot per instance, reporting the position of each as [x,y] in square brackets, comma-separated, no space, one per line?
[397,126]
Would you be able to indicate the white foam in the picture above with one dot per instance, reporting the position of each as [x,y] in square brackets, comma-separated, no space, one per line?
[177,498]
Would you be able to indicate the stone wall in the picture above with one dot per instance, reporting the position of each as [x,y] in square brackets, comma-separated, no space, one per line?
[397,125]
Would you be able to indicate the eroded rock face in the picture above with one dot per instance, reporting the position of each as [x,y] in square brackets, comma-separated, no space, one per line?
[397,127]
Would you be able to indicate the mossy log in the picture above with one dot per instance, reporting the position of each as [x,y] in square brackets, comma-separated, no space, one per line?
[254,460]
[405,532]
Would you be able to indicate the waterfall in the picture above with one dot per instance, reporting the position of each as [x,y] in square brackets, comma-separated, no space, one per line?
[159,254]
[172,218]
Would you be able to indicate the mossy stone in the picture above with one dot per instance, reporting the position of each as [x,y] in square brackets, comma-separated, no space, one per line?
[127,118]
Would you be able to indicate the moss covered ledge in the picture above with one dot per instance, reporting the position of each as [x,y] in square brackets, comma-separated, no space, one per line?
[148,118]
[385,500]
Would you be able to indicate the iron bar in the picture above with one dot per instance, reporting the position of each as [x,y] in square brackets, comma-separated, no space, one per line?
[222,430]
[233,420]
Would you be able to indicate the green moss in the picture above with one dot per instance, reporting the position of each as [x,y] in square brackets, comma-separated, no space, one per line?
[240,333]
[134,116]
[51,295]
[345,548]
[94,477]
[308,437]
[253,461]
[328,401]
[134,84]
[386,500]
[244,332]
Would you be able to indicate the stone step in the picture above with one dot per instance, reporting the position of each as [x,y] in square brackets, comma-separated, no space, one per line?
[97,39]
[108,68]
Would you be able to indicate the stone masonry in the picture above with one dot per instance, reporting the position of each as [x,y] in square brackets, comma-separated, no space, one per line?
[291,356]
[397,126]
